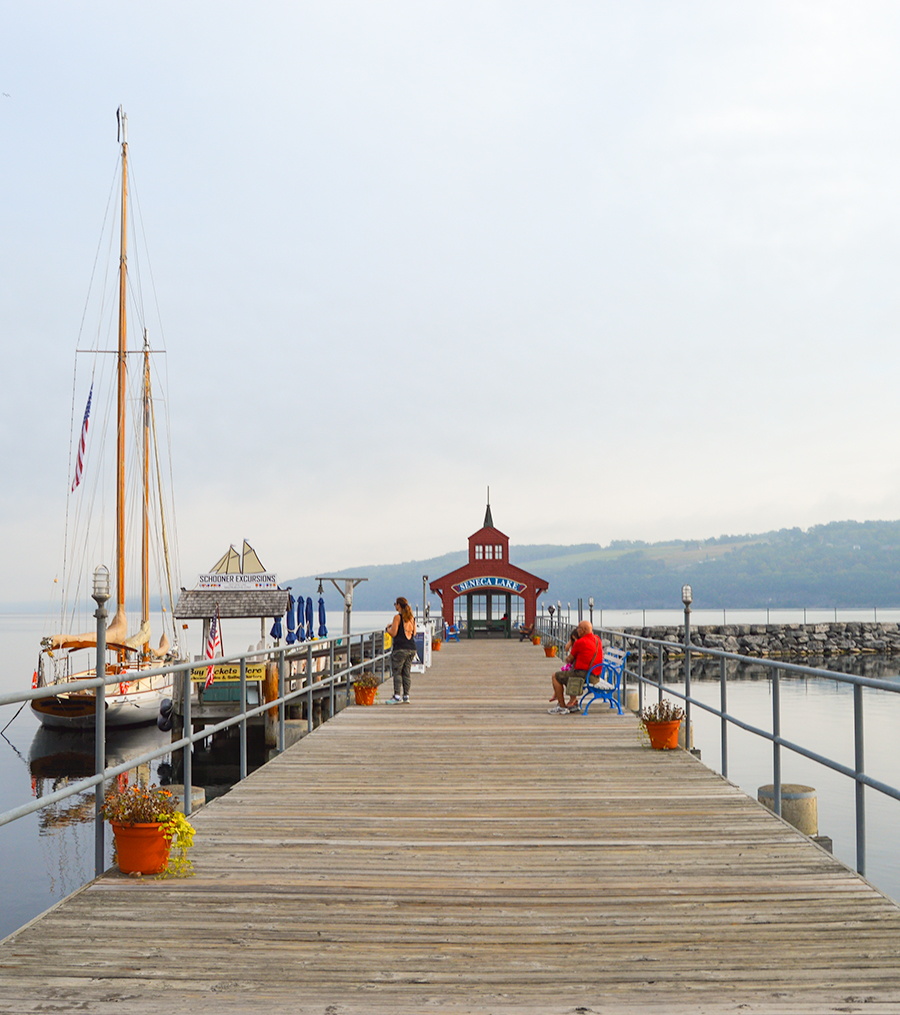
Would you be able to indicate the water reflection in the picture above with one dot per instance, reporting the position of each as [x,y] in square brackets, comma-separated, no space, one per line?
[58,758]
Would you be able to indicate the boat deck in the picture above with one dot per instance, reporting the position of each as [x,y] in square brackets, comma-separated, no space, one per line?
[468,853]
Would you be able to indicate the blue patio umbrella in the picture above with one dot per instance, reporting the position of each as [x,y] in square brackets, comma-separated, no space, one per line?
[309,617]
[291,623]
[323,630]
[276,630]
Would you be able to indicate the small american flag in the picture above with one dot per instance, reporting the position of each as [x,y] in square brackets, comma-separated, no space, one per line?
[79,462]
[213,648]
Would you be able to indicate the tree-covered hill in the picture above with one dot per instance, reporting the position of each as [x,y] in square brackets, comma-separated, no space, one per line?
[848,564]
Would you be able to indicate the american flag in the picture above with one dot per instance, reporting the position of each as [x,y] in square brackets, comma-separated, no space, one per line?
[79,462]
[213,648]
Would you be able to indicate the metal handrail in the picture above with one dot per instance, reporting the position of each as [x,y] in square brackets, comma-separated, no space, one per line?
[689,650]
[284,654]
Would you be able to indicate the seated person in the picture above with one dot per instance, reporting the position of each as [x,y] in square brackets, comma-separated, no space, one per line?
[583,650]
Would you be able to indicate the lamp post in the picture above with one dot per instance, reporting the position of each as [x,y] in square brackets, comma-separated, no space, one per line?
[687,597]
[100,595]
[559,619]
[591,608]
[424,598]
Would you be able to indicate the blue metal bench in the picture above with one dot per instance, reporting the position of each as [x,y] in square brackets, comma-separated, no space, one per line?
[451,632]
[605,684]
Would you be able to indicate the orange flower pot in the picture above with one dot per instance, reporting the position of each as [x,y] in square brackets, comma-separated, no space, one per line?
[364,695]
[549,651]
[141,849]
[663,735]
[435,646]
[535,639]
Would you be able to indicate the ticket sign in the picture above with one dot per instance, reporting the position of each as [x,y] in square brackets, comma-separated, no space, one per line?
[238,582]
[229,672]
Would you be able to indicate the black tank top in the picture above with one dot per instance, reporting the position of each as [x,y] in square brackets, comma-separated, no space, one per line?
[400,639]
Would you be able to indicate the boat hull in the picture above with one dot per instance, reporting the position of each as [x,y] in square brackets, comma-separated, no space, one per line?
[77,710]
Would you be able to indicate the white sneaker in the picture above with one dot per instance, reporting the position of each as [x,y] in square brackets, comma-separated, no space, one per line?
[405,699]
[396,700]
[557,710]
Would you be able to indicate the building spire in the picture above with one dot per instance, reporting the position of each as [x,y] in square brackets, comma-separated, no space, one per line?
[488,521]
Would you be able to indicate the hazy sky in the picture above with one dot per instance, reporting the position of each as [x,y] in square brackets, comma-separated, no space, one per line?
[631,264]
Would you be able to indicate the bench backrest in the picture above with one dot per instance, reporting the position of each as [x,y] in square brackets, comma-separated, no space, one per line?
[615,657]
[612,667]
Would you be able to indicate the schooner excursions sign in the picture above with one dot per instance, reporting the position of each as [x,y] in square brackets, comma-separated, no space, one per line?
[489,582]
[263,580]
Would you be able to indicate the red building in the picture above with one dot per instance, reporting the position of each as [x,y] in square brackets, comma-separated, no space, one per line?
[487,583]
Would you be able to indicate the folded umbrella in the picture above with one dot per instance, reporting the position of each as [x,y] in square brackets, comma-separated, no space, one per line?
[323,630]
[291,623]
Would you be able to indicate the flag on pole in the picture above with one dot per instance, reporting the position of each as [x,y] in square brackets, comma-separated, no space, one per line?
[213,648]
[79,461]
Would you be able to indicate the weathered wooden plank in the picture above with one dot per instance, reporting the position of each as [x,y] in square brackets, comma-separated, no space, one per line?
[474,855]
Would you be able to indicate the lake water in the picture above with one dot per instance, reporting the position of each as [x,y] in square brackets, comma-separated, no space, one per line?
[50,854]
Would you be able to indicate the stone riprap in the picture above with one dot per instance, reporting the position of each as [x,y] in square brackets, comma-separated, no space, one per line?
[787,641]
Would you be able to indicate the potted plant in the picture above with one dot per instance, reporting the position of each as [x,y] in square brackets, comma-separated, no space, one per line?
[661,722]
[147,826]
[535,639]
[365,687]
[549,651]
[436,644]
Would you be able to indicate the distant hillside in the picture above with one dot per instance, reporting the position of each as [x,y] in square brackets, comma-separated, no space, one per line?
[849,564]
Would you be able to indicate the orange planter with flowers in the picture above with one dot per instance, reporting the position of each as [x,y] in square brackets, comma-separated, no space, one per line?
[146,826]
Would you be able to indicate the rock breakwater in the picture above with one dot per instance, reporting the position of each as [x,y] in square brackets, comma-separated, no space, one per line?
[785,641]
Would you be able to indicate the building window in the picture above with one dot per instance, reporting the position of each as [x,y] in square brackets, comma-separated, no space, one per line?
[479,552]
[489,553]
[498,552]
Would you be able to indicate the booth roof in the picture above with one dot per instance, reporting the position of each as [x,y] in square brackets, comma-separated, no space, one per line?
[199,604]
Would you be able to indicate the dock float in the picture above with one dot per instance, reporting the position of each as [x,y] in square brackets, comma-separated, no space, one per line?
[469,853]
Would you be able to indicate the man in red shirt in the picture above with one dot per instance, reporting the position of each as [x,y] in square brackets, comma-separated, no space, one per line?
[587,650]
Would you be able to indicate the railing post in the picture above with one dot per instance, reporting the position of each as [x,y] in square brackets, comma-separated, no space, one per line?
[309,683]
[281,687]
[640,676]
[776,747]
[659,649]
[100,741]
[187,760]
[859,757]
[243,726]
[687,677]
[723,708]
[331,693]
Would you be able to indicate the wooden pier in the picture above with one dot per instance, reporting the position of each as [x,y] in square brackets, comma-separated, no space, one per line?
[469,853]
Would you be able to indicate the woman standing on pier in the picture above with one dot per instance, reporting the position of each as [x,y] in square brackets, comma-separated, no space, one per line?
[402,630]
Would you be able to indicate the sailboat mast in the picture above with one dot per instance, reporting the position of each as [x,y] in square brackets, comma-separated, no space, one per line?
[145,529]
[120,416]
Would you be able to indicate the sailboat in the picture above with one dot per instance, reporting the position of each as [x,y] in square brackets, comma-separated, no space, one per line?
[134,699]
